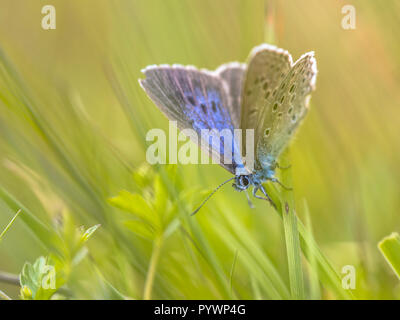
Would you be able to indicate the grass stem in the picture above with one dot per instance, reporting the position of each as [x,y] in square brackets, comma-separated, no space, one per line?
[291,235]
[10,224]
[155,255]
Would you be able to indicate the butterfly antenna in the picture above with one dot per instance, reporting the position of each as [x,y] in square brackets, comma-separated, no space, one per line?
[210,195]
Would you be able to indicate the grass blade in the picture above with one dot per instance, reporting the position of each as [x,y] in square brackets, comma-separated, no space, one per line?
[291,235]
[3,296]
[390,248]
[315,292]
[327,274]
[9,224]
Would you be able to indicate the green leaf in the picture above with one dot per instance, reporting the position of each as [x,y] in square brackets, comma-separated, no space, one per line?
[88,233]
[135,204]
[160,196]
[172,227]
[390,248]
[40,280]
[140,228]
[143,176]
[33,278]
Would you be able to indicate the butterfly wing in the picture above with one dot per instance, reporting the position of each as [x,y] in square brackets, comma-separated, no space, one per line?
[267,65]
[196,99]
[285,109]
[233,74]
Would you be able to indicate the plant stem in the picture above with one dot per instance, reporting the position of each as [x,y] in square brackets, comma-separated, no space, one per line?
[291,235]
[9,278]
[148,286]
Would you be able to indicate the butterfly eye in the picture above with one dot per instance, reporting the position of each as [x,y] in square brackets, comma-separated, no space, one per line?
[282,99]
[244,181]
[292,88]
[267,131]
[290,110]
[275,107]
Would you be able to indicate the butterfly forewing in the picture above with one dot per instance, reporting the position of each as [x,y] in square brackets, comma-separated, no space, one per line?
[196,99]
[285,109]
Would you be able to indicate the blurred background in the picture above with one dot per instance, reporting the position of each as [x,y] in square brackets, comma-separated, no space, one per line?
[73,121]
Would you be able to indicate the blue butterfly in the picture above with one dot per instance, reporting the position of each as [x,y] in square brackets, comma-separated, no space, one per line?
[269,96]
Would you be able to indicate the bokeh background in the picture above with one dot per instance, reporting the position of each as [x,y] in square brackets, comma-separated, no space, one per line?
[73,121]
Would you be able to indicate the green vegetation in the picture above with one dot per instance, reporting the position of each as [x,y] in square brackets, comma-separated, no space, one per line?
[92,213]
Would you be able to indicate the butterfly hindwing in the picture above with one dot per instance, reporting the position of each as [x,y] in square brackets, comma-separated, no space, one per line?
[233,74]
[196,99]
[285,109]
[267,65]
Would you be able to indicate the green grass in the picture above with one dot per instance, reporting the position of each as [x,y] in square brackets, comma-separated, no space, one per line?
[73,121]
[390,248]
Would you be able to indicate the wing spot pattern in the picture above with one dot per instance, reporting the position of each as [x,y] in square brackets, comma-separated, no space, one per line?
[213,106]
[191,100]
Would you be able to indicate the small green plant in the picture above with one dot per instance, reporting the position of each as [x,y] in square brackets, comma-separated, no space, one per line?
[153,215]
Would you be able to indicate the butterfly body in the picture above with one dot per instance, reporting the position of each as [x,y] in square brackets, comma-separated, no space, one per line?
[268,96]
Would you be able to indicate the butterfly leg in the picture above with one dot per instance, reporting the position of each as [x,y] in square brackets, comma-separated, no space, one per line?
[265,193]
[281,184]
[251,205]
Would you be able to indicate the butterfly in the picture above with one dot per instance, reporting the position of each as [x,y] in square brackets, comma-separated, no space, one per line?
[268,96]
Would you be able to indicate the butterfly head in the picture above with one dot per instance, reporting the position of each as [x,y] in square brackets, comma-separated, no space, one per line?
[242,182]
